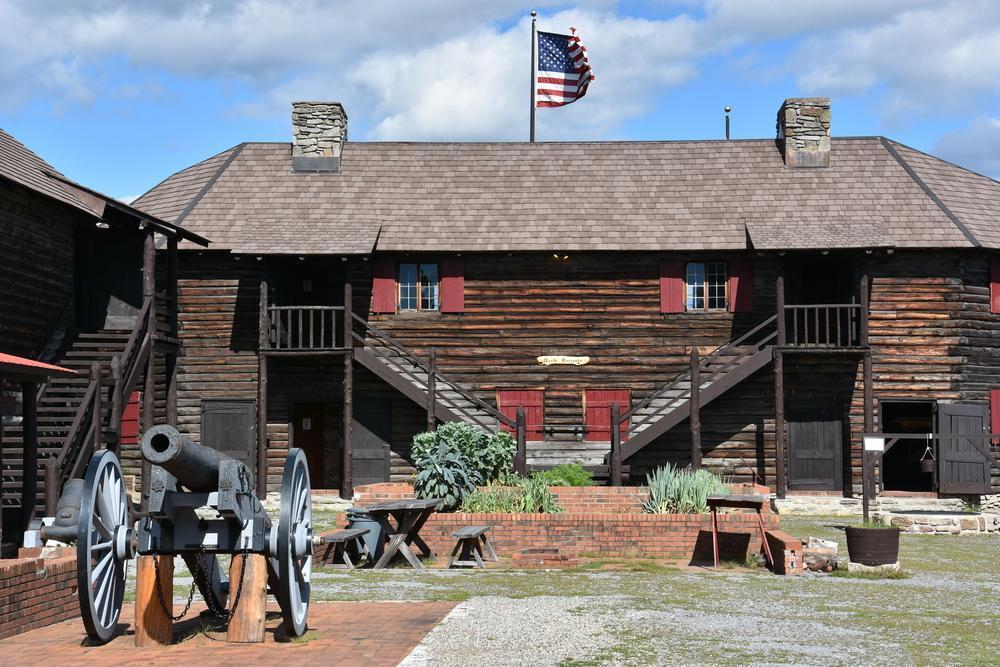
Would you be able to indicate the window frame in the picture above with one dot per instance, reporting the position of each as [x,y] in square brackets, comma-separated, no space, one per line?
[705,308]
[418,264]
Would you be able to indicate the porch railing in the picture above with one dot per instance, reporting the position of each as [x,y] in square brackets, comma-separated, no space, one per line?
[826,325]
[305,328]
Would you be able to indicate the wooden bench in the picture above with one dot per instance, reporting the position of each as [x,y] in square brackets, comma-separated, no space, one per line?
[471,540]
[343,542]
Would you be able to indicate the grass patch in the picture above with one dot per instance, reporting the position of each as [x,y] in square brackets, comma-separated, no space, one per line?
[646,565]
[871,574]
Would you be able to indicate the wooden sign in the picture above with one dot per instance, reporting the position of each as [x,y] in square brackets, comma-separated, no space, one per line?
[562,360]
[874,444]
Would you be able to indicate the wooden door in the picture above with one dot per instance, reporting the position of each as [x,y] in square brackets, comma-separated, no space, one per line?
[815,445]
[307,435]
[230,426]
[370,440]
[961,467]
[597,412]
[533,402]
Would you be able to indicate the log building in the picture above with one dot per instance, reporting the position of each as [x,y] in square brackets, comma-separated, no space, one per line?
[79,287]
[749,306]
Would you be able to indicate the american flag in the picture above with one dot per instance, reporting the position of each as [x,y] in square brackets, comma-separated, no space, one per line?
[563,70]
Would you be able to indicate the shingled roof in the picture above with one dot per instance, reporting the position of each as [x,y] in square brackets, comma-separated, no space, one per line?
[665,195]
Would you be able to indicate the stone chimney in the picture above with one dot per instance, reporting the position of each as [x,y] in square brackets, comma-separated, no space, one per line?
[804,131]
[319,130]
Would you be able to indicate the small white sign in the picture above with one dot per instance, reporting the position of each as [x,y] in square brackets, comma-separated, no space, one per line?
[307,424]
[873,444]
[562,360]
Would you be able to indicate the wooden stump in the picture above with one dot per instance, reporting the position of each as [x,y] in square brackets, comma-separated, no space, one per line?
[153,627]
[247,622]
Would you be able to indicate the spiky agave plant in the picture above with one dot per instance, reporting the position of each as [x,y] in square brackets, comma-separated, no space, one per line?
[674,490]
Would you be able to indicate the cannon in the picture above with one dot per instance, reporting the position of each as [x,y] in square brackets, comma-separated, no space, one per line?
[201,503]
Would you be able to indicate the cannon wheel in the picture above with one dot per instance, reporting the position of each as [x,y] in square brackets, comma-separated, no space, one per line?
[103,546]
[294,553]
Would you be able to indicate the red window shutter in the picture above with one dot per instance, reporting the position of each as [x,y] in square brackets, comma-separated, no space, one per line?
[383,286]
[994,410]
[995,286]
[532,400]
[452,286]
[671,286]
[597,408]
[741,285]
[129,434]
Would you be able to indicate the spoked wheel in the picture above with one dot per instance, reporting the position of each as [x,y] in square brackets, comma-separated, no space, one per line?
[104,543]
[293,548]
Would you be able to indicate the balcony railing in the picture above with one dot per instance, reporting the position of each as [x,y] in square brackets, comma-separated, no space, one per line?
[304,328]
[824,325]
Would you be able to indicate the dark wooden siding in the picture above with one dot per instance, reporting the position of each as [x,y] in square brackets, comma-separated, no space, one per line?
[36,269]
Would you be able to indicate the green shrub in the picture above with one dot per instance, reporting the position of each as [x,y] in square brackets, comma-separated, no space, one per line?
[525,496]
[456,458]
[682,491]
[567,474]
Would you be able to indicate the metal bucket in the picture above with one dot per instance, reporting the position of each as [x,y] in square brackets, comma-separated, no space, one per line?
[927,465]
[873,546]
[373,539]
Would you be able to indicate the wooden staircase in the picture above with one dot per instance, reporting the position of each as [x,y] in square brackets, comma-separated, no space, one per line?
[417,378]
[720,371]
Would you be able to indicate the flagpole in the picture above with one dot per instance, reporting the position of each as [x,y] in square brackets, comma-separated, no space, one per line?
[534,75]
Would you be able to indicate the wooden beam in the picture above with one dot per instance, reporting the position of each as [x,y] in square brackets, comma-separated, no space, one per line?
[615,462]
[521,454]
[153,625]
[171,358]
[29,471]
[694,417]
[780,482]
[247,622]
[262,396]
[431,390]
[346,464]
[149,296]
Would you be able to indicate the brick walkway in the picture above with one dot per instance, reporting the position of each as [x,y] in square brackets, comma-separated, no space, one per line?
[375,633]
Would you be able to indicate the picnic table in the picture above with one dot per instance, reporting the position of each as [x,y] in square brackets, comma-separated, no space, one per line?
[401,521]
[747,502]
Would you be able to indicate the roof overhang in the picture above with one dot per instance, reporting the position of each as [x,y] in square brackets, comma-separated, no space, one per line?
[20,369]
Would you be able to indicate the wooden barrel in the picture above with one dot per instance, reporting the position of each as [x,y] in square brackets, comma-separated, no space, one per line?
[873,546]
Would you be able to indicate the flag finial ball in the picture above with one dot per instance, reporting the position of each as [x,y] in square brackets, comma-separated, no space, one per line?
[728,109]
[533,13]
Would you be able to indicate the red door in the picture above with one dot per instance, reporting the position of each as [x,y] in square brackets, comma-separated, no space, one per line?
[129,430]
[597,412]
[532,400]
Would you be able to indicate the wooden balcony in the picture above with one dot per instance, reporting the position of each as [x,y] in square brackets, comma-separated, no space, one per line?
[303,329]
[821,326]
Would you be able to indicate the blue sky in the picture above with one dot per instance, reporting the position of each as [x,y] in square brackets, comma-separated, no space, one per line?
[118,95]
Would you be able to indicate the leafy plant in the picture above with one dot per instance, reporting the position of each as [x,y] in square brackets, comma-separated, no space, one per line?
[527,496]
[567,474]
[675,490]
[456,458]
[442,473]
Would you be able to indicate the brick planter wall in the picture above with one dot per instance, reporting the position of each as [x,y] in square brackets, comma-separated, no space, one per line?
[36,592]
[665,536]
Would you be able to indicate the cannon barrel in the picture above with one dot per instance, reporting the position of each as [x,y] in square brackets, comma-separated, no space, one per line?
[195,466]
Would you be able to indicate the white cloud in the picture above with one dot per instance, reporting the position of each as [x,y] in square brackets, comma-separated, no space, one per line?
[976,147]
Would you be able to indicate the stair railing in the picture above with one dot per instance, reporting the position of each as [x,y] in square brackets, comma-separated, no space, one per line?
[710,369]
[407,355]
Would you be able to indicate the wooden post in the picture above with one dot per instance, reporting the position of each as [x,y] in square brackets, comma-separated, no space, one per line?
[867,389]
[247,622]
[115,423]
[615,462]
[153,627]
[29,472]
[695,412]
[866,463]
[346,463]
[779,389]
[262,393]
[171,360]
[431,390]
[149,296]
[51,485]
[97,410]
[521,456]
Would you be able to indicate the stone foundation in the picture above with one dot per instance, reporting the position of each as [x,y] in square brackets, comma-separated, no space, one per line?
[839,506]
[942,523]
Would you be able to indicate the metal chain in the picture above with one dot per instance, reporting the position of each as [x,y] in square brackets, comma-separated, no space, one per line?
[159,593]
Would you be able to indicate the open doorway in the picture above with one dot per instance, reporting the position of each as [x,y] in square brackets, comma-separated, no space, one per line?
[901,464]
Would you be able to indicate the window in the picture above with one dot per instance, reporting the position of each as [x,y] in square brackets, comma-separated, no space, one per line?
[419,287]
[706,286]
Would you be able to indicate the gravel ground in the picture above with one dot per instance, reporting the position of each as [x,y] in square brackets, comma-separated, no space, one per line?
[946,612]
